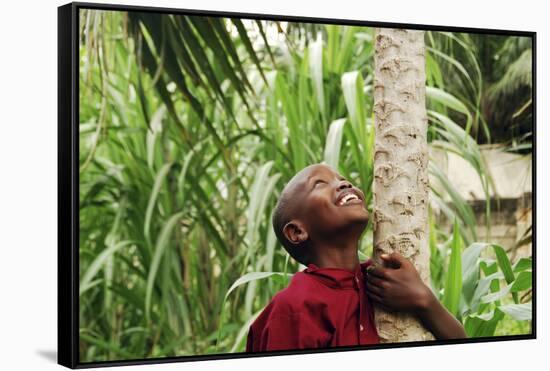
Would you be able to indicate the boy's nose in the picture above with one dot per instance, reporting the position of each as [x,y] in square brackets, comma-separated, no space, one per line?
[344,184]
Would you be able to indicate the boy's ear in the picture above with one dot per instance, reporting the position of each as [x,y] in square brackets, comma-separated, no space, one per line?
[295,232]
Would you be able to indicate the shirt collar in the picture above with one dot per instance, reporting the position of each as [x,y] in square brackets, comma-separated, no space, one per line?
[338,277]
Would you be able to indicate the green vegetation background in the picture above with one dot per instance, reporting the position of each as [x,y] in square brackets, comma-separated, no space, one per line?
[189,129]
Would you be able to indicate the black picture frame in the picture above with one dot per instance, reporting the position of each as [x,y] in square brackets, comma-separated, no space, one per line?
[68,181]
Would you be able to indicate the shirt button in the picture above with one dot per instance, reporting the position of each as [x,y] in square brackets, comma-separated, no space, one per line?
[361,328]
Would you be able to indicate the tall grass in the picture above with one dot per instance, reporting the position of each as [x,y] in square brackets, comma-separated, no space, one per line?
[189,129]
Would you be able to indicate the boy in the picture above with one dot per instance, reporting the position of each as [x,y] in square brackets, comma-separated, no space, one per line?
[319,219]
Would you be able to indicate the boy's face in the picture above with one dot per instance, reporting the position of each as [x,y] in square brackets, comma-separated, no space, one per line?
[328,204]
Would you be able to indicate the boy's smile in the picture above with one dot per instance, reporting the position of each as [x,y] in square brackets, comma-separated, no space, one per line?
[349,198]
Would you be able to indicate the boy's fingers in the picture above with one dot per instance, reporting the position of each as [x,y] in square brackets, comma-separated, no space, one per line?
[378,271]
[376,281]
[380,302]
[375,297]
[393,260]
[373,288]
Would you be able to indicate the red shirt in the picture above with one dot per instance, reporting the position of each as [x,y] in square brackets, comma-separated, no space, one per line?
[320,308]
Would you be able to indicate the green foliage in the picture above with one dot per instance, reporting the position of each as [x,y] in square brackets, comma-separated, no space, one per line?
[189,129]
[472,288]
[484,71]
[453,283]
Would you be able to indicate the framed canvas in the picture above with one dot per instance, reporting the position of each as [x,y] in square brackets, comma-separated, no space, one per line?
[247,185]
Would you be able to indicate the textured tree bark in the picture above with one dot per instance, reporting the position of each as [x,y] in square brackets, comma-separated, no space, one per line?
[400,166]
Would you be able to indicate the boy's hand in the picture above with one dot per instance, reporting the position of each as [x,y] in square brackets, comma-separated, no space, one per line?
[397,286]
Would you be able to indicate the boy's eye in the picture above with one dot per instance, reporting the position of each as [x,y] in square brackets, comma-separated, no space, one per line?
[318,181]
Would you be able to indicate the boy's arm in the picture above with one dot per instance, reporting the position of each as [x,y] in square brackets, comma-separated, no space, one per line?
[398,286]
[439,321]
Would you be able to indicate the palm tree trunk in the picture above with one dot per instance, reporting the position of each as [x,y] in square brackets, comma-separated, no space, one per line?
[400,166]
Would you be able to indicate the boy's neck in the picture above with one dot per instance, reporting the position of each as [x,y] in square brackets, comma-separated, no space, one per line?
[341,254]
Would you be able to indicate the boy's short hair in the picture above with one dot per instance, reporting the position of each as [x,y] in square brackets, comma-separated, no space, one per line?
[285,210]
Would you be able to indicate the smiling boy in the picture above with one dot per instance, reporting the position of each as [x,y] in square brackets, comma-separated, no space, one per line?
[319,219]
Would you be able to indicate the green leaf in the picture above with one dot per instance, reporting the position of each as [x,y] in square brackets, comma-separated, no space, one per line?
[484,324]
[316,68]
[446,99]
[470,269]
[159,179]
[504,263]
[453,285]
[253,276]
[523,264]
[218,25]
[284,94]
[352,87]
[334,143]
[109,346]
[243,332]
[494,296]
[248,45]
[261,190]
[89,285]
[160,247]
[506,268]
[519,312]
[156,128]
[266,43]
[97,264]
[464,210]
[450,101]
[482,289]
[183,174]
[433,72]
[456,64]
[133,296]
[523,281]
[206,31]
[188,38]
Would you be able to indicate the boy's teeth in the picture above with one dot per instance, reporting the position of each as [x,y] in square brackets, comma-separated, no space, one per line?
[348,197]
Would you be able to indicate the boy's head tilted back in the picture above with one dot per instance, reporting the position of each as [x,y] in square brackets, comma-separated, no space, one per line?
[318,208]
